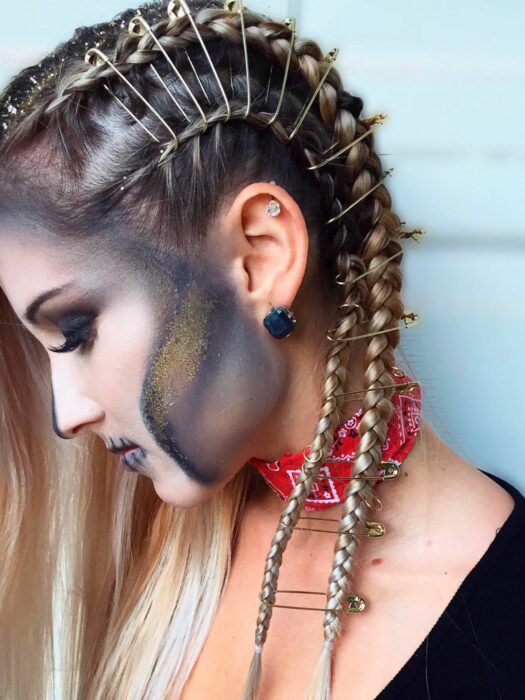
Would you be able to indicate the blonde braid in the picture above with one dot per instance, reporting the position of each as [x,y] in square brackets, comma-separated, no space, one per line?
[349,267]
[384,308]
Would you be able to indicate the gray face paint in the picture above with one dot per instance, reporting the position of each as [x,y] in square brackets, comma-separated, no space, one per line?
[214,374]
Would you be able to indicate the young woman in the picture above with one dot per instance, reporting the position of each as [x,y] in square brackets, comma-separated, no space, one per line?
[200,272]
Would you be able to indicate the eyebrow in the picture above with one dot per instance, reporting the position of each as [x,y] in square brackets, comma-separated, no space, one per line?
[32,310]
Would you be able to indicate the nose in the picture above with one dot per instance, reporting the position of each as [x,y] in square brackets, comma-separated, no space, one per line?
[73,413]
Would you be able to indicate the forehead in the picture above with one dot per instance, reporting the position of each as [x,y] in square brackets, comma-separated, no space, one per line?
[30,265]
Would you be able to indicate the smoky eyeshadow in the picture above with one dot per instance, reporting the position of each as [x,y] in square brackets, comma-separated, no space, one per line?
[71,316]
[75,322]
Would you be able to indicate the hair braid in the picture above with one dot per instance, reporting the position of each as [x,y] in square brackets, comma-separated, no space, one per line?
[384,308]
[336,186]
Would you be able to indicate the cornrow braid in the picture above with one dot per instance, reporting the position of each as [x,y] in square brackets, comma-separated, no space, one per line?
[357,236]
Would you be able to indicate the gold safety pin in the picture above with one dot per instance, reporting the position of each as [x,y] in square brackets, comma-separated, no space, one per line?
[398,389]
[373,529]
[411,318]
[139,27]
[96,57]
[117,99]
[354,602]
[178,9]
[351,206]
[237,6]
[291,24]
[330,59]
[389,472]
[343,150]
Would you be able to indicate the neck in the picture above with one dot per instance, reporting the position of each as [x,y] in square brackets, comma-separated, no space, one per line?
[291,427]
[409,501]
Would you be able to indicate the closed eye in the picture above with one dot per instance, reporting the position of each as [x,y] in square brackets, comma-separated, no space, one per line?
[78,334]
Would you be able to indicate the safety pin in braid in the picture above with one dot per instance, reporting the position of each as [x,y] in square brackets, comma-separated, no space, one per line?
[330,58]
[354,602]
[411,318]
[373,529]
[291,24]
[139,27]
[174,99]
[367,272]
[351,206]
[132,115]
[343,150]
[369,121]
[197,76]
[412,234]
[96,57]
[237,6]
[268,85]
[390,471]
[374,119]
[178,9]
[405,388]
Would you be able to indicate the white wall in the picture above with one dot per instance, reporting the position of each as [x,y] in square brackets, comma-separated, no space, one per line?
[451,77]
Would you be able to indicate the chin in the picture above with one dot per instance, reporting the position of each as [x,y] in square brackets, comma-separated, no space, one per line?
[182,492]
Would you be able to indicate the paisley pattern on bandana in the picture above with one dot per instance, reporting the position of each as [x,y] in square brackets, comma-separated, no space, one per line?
[327,490]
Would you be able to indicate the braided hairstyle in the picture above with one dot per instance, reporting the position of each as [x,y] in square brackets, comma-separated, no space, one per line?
[114,170]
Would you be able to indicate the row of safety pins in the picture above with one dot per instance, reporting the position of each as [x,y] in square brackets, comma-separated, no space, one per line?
[389,470]
[179,8]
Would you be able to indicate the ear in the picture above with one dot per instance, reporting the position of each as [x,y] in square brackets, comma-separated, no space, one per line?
[266,255]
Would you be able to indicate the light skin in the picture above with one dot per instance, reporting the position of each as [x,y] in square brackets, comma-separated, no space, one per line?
[180,363]
[176,358]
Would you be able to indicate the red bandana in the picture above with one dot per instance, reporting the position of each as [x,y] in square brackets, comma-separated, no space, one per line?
[326,492]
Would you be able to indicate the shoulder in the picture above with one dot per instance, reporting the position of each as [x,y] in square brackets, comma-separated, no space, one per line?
[489,501]
[508,553]
[507,502]
[480,637]
[495,586]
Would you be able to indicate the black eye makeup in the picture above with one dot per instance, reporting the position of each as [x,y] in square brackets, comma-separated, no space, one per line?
[78,332]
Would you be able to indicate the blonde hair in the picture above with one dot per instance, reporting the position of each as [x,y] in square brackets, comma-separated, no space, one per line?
[144,579]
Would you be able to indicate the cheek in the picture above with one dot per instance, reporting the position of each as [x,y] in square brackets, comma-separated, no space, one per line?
[213,379]
[121,354]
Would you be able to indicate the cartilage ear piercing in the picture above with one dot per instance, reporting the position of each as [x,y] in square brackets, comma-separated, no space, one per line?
[273,208]
[280,322]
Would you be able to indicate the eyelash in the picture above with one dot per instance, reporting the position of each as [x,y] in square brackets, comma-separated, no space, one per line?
[76,337]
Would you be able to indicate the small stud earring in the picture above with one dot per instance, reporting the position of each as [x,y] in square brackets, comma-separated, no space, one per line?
[273,208]
[280,322]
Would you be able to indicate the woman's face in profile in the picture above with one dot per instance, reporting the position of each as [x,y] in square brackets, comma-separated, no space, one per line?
[147,349]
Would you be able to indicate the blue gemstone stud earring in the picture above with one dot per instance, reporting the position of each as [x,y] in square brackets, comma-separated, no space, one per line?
[280,322]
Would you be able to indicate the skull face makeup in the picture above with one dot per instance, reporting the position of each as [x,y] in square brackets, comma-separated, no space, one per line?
[170,359]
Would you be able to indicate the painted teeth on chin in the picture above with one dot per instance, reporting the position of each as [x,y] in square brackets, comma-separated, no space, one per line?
[126,460]
[136,455]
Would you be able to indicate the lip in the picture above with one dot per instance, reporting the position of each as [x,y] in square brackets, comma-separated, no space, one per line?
[130,459]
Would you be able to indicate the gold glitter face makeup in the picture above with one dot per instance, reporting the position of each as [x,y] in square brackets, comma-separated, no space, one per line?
[176,365]
[178,361]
